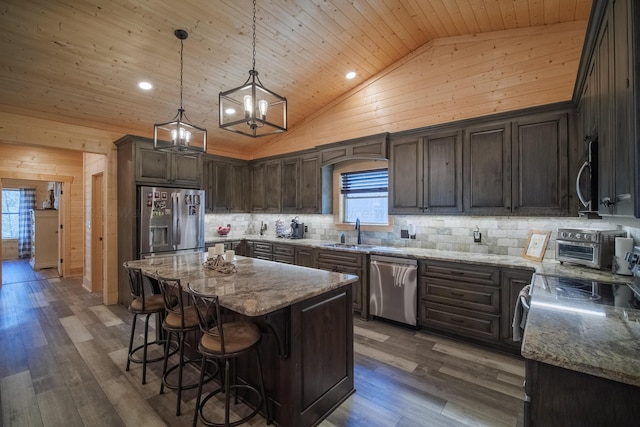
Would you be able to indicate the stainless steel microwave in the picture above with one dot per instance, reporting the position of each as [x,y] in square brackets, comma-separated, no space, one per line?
[591,248]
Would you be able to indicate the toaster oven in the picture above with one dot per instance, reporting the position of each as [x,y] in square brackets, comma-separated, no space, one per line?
[591,248]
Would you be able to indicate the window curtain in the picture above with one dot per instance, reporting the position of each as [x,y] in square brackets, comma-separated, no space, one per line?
[27,203]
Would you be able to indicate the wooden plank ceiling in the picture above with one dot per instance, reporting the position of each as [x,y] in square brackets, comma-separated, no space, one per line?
[80,61]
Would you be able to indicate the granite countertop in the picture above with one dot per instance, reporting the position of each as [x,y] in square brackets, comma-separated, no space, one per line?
[257,288]
[595,339]
[550,267]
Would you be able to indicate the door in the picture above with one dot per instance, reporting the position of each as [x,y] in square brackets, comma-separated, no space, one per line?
[97,230]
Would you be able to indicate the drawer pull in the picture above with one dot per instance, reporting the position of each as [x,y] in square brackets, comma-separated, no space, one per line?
[456,320]
[458,273]
[456,294]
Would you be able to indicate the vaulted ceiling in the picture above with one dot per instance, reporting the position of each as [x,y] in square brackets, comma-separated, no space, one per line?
[79,61]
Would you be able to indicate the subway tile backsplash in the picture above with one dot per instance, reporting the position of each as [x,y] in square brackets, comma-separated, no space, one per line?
[500,236]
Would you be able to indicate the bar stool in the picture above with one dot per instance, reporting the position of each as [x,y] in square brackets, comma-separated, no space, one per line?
[145,305]
[179,320]
[224,343]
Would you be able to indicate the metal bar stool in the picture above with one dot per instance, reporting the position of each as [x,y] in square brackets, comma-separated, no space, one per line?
[146,305]
[179,320]
[224,343]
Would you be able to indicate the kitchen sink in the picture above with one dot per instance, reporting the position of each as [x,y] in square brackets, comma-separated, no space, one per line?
[364,247]
[347,246]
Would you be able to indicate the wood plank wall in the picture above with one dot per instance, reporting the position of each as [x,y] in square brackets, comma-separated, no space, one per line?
[45,142]
[450,79]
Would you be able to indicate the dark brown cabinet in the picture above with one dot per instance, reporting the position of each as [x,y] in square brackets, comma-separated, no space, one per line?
[263,250]
[160,168]
[349,263]
[305,256]
[561,397]
[372,147]
[225,182]
[540,160]
[608,102]
[426,173]
[512,282]
[287,185]
[487,167]
[284,253]
[462,299]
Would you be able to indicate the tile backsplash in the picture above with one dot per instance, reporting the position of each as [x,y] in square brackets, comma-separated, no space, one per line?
[500,235]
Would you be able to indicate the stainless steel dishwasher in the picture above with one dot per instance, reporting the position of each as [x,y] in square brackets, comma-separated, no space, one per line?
[393,288]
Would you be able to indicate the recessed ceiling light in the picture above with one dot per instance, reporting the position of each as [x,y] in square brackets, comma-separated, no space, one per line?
[350,75]
[145,85]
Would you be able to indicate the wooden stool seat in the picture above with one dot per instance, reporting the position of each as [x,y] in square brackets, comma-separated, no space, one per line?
[224,343]
[144,304]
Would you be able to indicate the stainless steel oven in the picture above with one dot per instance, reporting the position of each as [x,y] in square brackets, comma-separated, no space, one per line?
[591,248]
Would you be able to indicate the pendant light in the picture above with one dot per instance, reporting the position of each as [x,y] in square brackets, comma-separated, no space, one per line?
[252,109]
[179,135]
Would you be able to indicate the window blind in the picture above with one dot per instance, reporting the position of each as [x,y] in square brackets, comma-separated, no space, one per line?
[373,181]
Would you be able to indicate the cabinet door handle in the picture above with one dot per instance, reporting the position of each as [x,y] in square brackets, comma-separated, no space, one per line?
[456,320]
[456,294]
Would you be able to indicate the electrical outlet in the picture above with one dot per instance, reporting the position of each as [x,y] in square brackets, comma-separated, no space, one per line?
[477,236]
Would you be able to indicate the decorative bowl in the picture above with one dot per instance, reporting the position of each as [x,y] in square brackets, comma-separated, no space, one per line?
[223,231]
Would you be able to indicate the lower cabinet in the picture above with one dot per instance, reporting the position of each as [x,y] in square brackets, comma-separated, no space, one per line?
[560,397]
[512,283]
[305,256]
[471,301]
[263,250]
[283,253]
[349,263]
[462,299]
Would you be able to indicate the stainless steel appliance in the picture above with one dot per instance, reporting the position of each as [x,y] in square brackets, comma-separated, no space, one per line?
[393,288]
[591,248]
[571,290]
[297,229]
[587,180]
[171,220]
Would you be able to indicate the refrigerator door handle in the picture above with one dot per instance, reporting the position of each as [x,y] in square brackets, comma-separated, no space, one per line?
[175,212]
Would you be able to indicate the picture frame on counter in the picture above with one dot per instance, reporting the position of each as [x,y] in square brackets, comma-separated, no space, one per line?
[536,245]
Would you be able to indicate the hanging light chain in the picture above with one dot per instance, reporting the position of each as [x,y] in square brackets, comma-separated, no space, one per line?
[254,35]
[181,66]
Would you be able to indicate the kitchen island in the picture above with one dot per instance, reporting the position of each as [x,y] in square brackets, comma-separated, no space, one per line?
[306,322]
[583,359]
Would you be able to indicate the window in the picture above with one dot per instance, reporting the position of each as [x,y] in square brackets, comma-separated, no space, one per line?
[365,196]
[10,213]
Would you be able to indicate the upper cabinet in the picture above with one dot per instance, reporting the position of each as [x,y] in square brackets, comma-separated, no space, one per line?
[266,186]
[157,167]
[487,166]
[226,183]
[426,173]
[372,147]
[517,165]
[608,98]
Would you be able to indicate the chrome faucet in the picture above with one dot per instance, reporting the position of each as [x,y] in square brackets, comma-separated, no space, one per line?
[358,228]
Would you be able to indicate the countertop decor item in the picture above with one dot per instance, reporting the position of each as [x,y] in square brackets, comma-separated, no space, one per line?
[223,231]
[536,245]
[244,109]
[218,264]
[184,137]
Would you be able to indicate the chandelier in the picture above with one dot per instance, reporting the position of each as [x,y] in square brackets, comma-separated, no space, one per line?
[179,135]
[252,109]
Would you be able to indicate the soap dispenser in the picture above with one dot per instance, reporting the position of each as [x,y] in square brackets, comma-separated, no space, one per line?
[342,237]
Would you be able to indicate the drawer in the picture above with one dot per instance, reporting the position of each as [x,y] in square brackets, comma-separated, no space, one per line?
[459,321]
[460,294]
[350,259]
[266,248]
[461,272]
[285,250]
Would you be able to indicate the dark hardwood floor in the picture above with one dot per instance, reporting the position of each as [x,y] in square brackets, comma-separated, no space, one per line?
[63,354]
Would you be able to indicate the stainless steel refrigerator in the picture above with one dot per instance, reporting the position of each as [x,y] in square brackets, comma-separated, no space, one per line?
[171,221]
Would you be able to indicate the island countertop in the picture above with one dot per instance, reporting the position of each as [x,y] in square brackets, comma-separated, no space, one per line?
[594,339]
[257,288]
